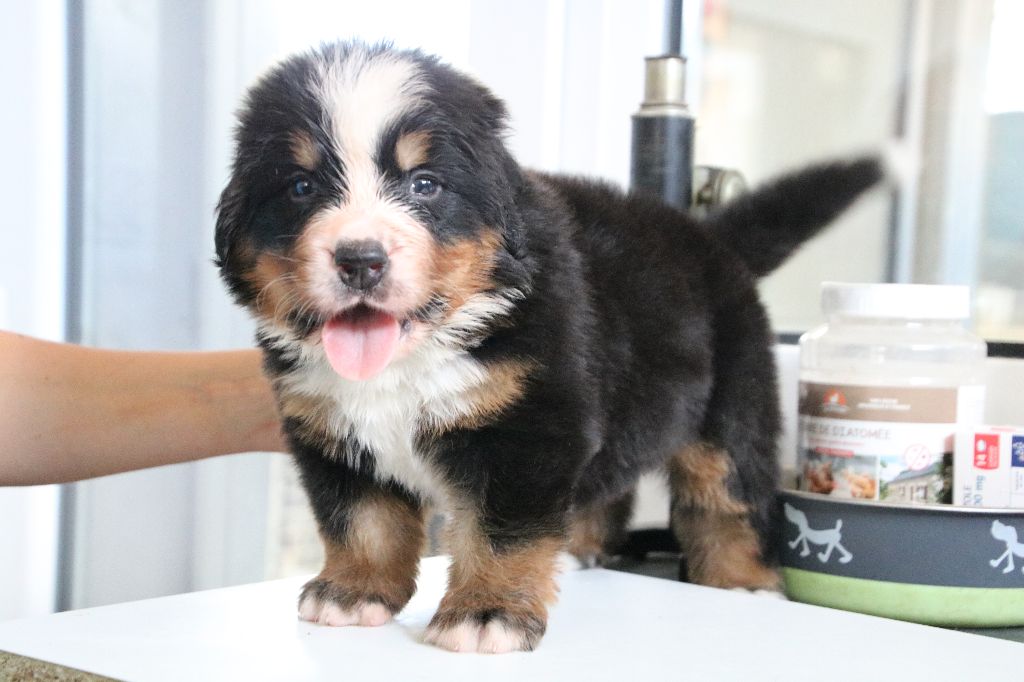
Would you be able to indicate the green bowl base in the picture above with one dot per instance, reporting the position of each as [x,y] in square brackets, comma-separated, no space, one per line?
[927,604]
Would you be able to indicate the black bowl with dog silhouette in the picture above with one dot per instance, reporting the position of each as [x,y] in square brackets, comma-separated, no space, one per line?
[940,565]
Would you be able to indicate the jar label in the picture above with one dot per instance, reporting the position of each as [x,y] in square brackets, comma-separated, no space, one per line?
[882,442]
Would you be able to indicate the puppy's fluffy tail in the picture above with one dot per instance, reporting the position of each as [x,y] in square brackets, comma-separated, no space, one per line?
[767,225]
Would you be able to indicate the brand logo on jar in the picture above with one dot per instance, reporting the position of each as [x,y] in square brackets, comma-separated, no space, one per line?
[986,451]
[834,402]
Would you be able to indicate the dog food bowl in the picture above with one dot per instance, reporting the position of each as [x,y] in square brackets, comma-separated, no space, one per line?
[939,565]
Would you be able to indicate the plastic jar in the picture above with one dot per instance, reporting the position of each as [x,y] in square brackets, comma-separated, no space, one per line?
[884,385]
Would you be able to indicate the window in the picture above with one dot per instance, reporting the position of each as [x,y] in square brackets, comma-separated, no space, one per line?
[774,85]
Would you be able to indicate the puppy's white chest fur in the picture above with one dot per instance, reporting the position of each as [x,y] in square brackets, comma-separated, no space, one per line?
[384,414]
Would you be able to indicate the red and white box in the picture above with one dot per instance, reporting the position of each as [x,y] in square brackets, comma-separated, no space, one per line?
[988,467]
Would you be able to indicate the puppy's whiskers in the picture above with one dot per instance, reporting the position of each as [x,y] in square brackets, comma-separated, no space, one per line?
[289,258]
[265,290]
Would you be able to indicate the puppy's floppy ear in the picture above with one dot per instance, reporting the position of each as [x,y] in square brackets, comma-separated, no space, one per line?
[230,219]
[510,220]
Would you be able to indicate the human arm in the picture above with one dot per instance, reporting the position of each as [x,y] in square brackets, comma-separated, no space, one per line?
[69,412]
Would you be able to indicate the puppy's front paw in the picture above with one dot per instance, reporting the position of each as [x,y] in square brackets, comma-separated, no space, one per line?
[325,603]
[494,631]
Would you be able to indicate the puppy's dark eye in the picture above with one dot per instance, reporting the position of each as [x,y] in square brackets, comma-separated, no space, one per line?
[302,188]
[424,185]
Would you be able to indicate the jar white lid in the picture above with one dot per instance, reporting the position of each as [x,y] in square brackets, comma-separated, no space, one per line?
[908,301]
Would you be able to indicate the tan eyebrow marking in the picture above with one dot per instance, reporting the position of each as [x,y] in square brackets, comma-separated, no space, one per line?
[304,150]
[411,149]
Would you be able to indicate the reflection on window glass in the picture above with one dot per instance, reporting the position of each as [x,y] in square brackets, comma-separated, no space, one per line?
[1000,276]
[785,84]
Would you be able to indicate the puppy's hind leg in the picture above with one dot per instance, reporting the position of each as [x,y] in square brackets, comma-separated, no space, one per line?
[597,530]
[724,510]
[720,545]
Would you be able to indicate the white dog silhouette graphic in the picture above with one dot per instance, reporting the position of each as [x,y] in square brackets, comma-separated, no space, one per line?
[1007,534]
[829,537]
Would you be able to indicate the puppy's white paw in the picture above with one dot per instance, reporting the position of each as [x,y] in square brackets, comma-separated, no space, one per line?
[463,637]
[327,612]
[493,637]
[570,562]
[771,594]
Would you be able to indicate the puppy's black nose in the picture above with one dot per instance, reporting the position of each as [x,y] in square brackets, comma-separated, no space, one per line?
[362,264]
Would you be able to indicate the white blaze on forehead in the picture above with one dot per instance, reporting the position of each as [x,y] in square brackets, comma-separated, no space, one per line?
[363,94]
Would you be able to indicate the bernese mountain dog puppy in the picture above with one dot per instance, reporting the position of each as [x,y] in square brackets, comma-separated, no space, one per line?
[444,328]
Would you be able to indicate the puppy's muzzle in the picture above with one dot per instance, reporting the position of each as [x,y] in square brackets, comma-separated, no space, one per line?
[361,264]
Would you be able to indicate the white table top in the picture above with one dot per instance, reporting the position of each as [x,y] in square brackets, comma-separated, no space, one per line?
[607,626]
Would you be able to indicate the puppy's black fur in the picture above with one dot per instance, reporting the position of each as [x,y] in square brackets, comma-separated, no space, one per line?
[623,337]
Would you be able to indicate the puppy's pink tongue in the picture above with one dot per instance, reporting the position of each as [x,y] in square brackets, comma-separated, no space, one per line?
[360,344]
